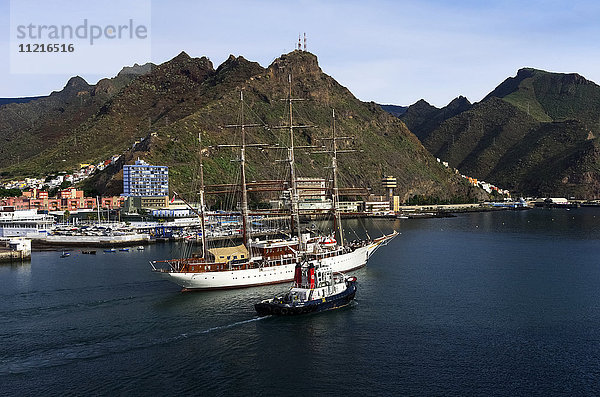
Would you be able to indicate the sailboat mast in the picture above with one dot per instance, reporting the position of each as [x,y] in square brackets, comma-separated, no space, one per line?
[246,227]
[294,190]
[98,208]
[337,219]
[202,216]
[245,219]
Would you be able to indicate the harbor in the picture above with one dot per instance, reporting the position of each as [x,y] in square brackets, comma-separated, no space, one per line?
[43,229]
[314,198]
[429,339]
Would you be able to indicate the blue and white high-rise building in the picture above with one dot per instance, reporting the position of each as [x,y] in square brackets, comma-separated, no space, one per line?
[143,179]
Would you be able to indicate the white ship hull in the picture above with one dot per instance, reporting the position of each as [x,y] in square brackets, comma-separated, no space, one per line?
[270,275]
[232,279]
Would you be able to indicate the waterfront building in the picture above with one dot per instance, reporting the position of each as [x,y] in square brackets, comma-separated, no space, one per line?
[311,189]
[36,194]
[389,183]
[24,223]
[396,203]
[143,179]
[377,204]
[315,205]
[173,213]
[70,193]
[134,203]
[350,206]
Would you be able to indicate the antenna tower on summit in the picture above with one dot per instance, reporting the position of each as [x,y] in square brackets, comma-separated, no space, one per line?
[299,43]
[304,41]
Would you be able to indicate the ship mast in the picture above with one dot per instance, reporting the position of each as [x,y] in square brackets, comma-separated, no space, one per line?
[337,219]
[335,190]
[202,209]
[293,185]
[199,213]
[246,229]
[245,218]
[294,196]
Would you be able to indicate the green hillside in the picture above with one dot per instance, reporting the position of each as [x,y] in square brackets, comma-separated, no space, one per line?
[422,118]
[172,103]
[535,134]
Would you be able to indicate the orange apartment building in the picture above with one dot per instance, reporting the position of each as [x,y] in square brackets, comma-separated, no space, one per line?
[68,199]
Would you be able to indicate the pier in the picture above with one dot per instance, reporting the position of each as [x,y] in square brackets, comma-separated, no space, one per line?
[15,249]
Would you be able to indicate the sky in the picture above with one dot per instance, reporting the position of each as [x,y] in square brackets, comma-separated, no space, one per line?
[392,52]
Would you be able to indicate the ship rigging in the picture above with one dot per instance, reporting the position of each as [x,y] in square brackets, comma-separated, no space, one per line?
[260,262]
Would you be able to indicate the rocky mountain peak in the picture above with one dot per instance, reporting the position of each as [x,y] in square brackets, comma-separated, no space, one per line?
[458,104]
[422,103]
[182,56]
[459,100]
[184,61]
[74,86]
[297,63]
[77,82]
[527,72]
[236,70]
[233,62]
[575,78]
[136,69]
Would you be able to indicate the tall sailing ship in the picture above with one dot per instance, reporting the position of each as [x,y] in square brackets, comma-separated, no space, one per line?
[270,261]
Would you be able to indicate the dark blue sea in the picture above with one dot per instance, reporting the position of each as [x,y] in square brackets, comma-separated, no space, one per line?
[504,303]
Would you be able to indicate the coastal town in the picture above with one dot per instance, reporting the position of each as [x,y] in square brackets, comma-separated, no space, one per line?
[145,213]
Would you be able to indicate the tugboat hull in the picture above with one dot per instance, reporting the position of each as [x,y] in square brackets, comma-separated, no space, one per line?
[273,307]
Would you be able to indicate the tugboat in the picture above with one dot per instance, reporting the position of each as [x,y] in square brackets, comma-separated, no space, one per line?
[316,288]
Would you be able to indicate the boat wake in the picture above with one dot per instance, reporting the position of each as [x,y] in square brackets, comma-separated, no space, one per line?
[221,327]
[64,355]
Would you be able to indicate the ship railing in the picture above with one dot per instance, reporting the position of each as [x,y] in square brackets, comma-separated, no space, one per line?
[184,264]
[174,266]
[386,238]
[330,254]
[279,261]
[156,267]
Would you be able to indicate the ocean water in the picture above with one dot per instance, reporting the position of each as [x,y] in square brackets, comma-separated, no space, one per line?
[504,303]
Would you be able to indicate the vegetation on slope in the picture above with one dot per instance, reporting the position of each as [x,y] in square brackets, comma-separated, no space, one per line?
[535,134]
[170,104]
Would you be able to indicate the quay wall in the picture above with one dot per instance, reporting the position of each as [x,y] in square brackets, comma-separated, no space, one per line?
[96,241]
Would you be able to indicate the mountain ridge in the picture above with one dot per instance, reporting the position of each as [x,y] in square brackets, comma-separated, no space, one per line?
[171,103]
[422,118]
[535,133]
